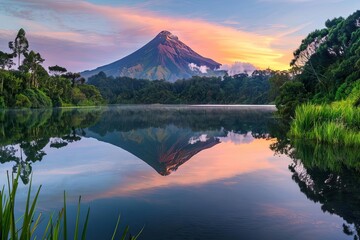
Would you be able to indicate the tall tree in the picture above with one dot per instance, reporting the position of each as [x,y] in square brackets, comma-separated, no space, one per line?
[5,62]
[20,45]
[31,64]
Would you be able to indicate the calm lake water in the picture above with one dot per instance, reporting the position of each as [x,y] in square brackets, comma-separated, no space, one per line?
[183,172]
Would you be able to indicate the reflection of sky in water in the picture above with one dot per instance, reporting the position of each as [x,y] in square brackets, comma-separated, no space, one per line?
[236,189]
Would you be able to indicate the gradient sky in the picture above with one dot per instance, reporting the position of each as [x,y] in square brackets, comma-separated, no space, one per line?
[82,35]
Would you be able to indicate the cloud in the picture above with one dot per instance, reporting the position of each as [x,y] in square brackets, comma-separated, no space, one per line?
[237,138]
[193,67]
[201,138]
[125,29]
[238,67]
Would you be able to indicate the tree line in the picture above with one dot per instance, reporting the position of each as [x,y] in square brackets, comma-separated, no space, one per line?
[31,86]
[255,88]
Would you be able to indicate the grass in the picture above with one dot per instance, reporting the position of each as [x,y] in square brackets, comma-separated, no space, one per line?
[338,123]
[56,228]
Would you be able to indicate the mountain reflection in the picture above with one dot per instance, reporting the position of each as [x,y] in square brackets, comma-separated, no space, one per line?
[162,136]
[166,138]
[329,175]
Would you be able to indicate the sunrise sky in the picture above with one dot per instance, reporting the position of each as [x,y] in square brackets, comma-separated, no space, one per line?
[82,35]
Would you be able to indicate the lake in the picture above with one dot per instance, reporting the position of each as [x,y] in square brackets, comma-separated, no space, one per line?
[183,172]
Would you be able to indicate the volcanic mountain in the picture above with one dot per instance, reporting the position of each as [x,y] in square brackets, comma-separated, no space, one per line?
[164,57]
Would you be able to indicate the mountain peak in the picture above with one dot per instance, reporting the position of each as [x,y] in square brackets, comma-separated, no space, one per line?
[164,57]
[167,35]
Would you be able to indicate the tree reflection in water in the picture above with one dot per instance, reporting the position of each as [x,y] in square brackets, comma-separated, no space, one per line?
[326,174]
[25,133]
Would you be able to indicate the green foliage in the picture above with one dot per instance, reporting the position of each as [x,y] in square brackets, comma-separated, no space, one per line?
[22,101]
[276,82]
[2,102]
[238,89]
[20,45]
[25,227]
[337,124]
[38,98]
[291,95]
[328,59]
[32,86]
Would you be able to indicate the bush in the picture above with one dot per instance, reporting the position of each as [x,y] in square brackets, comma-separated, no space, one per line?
[22,101]
[38,98]
[77,96]
[291,95]
[2,102]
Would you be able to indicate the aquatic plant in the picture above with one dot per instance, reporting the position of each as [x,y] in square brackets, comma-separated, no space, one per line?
[25,227]
[336,124]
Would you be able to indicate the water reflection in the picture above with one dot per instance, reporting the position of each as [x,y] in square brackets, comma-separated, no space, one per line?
[329,175]
[25,133]
[163,137]
[217,163]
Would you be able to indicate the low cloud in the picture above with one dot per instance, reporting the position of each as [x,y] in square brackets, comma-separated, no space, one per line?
[238,67]
[237,138]
[201,138]
[193,67]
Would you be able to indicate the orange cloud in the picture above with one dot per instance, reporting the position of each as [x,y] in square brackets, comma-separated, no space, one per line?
[225,44]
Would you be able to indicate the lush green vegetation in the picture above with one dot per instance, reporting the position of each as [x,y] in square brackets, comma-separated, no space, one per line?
[25,228]
[325,78]
[241,88]
[31,86]
[336,123]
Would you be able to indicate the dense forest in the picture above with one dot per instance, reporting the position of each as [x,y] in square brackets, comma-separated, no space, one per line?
[31,86]
[323,90]
[241,88]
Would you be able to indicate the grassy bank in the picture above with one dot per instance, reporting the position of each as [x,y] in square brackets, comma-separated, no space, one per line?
[338,123]
[26,226]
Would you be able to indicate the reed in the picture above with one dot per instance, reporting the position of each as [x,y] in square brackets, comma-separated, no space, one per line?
[338,123]
[25,227]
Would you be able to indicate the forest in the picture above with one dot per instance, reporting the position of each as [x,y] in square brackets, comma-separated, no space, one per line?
[31,86]
[322,92]
[243,88]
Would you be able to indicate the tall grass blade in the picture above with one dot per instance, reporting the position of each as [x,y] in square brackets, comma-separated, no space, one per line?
[116,227]
[83,234]
[65,217]
[77,220]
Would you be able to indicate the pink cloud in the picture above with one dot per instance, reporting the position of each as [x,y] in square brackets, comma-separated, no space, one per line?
[132,27]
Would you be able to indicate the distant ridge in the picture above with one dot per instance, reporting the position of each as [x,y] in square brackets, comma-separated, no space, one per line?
[164,57]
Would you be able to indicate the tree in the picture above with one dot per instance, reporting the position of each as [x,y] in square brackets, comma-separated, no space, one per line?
[292,94]
[20,45]
[6,60]
[57,70]
[31,64]
[73,77]
[276,81]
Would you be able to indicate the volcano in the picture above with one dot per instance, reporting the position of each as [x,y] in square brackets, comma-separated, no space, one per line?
[164,57]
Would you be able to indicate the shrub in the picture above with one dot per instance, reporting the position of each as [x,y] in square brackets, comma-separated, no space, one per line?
[2,102]
[38,98]
[291,95]
[22,101]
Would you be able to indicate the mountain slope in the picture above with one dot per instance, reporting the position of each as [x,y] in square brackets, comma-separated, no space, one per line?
[164,57]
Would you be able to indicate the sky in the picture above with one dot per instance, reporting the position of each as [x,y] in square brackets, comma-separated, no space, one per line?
[81,35]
